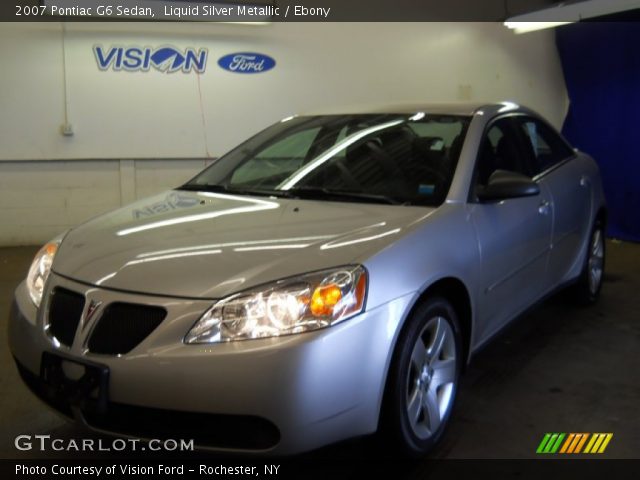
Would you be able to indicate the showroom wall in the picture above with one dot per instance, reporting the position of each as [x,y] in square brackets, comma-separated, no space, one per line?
[136,133]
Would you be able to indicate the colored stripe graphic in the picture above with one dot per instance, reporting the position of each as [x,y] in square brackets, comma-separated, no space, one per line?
[553,443]
[591,442]
[598,442]
[550,443]
[577,439]
[583,439]
[555,447]
[544,441]
[567,443]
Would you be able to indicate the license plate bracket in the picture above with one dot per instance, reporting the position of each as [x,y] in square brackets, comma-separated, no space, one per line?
[89,392]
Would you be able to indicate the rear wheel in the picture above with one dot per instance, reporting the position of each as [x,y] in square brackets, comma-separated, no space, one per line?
[589,284]
[423,378]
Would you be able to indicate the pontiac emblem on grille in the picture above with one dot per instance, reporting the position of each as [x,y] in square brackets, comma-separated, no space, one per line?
[91,310]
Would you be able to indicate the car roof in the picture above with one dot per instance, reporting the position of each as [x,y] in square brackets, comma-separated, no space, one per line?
[454,108]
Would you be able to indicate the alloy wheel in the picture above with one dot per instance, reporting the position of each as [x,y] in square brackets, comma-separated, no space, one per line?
[596,261]
[431,377]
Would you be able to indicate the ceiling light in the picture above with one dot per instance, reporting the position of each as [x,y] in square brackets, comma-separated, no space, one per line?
[565,13]
[525,27]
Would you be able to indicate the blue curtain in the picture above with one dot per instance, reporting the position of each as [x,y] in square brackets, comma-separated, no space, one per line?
[601,63]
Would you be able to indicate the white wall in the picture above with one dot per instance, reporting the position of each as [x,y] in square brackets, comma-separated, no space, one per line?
[137,133]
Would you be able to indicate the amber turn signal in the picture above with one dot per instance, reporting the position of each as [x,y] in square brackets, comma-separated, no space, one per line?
[324,298]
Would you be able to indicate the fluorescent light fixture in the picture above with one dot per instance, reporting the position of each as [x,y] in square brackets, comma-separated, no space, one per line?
[526,27]
[250,24]
[565,13]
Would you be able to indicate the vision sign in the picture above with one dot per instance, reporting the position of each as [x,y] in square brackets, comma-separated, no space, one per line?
[167,59]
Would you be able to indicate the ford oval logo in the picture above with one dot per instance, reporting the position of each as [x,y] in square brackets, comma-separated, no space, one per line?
[245,62]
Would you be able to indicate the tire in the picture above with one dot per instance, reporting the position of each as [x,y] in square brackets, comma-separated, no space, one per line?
[587,290]
[423,379]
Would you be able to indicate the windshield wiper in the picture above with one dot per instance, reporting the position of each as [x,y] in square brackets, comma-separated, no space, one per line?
[194,187]
[327,193]
[298,192]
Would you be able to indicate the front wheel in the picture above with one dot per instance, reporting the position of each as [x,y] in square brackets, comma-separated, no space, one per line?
[423,378]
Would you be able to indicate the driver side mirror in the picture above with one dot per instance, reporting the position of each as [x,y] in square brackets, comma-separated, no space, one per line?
[504,184]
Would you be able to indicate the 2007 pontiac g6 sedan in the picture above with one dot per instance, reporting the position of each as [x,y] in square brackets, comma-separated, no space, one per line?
[329,278]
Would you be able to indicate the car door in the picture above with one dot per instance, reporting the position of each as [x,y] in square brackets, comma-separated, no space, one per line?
[558,169]
[513,235]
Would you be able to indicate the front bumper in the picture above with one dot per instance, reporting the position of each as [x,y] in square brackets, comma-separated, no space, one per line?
[284,395]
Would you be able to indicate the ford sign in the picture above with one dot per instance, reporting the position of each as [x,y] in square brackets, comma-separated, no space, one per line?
[245,62]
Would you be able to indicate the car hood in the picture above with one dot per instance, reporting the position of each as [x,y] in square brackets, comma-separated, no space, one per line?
[208,245]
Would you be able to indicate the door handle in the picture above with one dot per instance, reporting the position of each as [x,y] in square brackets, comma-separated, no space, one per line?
[584,181]
[544,208]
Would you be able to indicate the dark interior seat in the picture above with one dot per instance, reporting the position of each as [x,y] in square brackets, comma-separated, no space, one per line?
[486,162]
[381,164]
[507,155]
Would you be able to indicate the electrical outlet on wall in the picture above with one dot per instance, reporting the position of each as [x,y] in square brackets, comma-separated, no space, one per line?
[66,129]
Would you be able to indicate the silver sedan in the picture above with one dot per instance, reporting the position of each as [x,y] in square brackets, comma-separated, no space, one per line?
[330,277]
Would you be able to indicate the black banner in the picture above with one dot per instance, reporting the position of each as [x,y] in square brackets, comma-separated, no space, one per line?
[300,468]
[272,11]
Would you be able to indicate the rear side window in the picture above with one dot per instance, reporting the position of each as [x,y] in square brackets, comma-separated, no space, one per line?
[545,145]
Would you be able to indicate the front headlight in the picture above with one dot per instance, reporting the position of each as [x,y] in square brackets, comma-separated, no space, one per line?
[40,269]
[293,305]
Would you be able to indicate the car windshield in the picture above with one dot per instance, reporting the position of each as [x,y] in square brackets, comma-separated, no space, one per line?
[395,159]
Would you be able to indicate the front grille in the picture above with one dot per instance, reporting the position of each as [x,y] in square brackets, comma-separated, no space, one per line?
[65,311]
[123,326]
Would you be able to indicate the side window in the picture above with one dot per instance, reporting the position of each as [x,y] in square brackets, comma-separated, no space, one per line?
[499,150]
[546,146]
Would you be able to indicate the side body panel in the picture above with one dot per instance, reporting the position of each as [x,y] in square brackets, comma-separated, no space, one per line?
[573,186]
[514,237]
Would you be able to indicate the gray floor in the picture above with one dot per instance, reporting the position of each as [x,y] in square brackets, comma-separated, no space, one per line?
[558,369]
